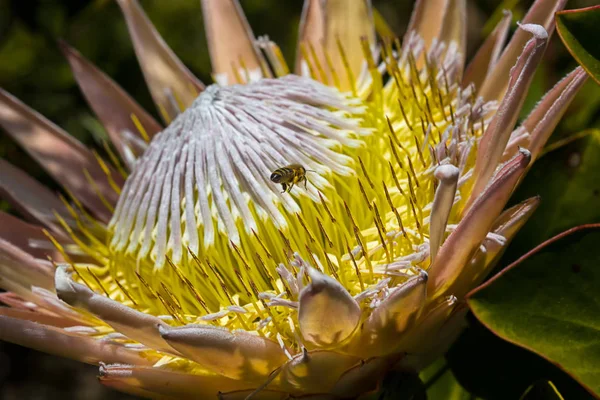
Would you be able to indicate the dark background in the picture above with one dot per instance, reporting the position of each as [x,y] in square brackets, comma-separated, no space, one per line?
[33,69]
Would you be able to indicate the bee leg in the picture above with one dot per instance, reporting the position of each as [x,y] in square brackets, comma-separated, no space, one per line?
[284,187]
[305,182]
[290,187]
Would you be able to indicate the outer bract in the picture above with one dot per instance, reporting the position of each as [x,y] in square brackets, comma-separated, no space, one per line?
[184,272]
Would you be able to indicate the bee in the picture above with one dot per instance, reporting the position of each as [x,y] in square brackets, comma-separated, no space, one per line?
[289,176]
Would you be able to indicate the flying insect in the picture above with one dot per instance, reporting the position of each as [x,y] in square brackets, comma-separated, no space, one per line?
[289,176]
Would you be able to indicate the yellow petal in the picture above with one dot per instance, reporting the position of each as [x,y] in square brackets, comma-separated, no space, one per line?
[327,314]
[237,355]
[382,330]
[424,335]
[363,377]
[315,371]
[164,382]
[264,395]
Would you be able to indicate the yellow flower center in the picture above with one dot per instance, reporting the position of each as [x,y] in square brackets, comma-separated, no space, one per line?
[363,219]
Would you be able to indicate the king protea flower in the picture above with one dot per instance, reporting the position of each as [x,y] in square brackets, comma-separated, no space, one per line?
[180,268]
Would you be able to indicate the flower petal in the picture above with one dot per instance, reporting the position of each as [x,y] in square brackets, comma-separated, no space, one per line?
[506,226]
[31,198]
[34,308]
[441,20]
[363,377]
[454,30]
[540,13]
[61,155]
[15,301]
[323,24]
[488,53]
[315,371]
[49,301]
[390,319]
[474,226]
[237,355]
[28,238]
[230,42]
[131,388]
[545,116]
[438,330]
[327,313]
[169,81]
[56,341]
[266,395]
[497,134]
[424,334]
[136,325]
[43,318]
[427,19]
[165,382]
[20,271]
[112,105]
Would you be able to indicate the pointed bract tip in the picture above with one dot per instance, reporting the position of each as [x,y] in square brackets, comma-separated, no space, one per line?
[526,154]
[163,330]
[63,46]
[67,289]
[446,173]
[102,369]
[537,30]
[316,276]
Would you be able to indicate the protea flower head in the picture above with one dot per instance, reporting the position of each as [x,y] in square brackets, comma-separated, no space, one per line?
[179,267]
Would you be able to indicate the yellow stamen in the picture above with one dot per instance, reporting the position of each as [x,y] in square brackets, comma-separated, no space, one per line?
[140,127]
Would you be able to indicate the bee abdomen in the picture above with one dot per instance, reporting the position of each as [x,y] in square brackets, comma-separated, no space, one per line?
[276,176]
[281,174]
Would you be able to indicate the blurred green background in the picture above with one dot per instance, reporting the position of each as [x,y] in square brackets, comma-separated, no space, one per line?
[33,69]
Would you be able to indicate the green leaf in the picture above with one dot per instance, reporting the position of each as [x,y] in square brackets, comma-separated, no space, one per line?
[494,369]
[568,181]
[549,302]
[579,30]
[543,390]
[441,384]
